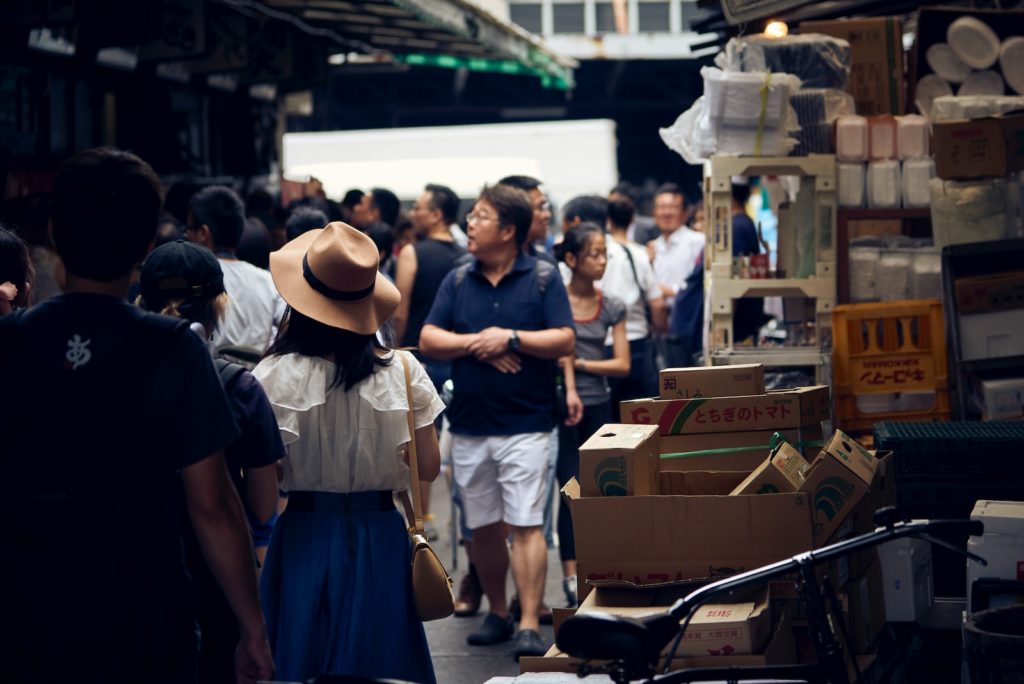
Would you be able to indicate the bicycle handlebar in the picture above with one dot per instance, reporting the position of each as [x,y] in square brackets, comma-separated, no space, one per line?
[686,605]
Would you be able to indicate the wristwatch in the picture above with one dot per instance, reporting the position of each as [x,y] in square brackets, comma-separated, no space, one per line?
[513,341]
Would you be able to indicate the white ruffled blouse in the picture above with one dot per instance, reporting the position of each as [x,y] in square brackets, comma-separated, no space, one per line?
[342,441]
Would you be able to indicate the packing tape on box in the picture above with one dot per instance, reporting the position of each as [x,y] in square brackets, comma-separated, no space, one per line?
[770,446]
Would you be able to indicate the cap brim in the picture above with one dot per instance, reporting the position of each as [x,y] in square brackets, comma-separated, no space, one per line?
[361,316]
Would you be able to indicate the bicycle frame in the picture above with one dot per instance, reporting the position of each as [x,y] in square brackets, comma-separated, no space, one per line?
[831,665]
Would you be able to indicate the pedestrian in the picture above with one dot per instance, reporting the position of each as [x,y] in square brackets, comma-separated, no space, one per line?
[503,320]
[15,272]
[584,250]
[336,584]
[109,413]
[183,280]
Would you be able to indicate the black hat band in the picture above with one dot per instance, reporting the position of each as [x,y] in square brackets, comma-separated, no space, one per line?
[328,291]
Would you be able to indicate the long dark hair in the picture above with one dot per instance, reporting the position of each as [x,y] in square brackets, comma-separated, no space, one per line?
[355,355]
[577,240]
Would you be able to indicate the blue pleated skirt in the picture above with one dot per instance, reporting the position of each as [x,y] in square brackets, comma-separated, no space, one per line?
[336,593]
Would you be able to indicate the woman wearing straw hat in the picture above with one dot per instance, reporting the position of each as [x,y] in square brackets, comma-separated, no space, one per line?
[335,586]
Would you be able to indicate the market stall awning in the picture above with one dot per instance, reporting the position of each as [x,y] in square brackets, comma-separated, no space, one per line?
[443,33]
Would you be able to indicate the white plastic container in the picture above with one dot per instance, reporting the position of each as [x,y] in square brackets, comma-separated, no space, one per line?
[893,280]
[992,335]
[944,62]
[1011,62]
[852,138]
[1002,545]
[971,211]
[863,272]
[912,137]
[929,88]
[883,184]
[915,176]
[852,178]
[986,82]
[926,274]
[907,578]
[1003,399]
[882,137]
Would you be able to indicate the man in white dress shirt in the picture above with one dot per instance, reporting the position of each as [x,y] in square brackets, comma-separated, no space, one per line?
[675,253]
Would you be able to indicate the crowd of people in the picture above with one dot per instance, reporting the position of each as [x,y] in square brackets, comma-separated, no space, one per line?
[206,411]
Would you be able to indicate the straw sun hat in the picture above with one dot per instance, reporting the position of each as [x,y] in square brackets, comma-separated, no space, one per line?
[330,274]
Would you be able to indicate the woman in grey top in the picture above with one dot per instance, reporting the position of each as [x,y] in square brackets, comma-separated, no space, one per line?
[588,398]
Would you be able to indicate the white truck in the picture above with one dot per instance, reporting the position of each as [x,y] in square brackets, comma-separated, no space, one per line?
[571,157]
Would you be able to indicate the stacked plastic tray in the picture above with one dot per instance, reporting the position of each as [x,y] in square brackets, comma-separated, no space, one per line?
[943,468]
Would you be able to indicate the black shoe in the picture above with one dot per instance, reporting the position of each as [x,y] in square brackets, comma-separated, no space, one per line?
[546,617]
[528,643]
[494,630]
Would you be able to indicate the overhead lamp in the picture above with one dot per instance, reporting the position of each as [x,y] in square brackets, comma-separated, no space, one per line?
[776,29]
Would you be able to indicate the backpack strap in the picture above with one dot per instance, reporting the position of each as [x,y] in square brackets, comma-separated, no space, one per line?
[542,268]
[227,371]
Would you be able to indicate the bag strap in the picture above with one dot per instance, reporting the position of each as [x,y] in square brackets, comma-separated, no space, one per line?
[636,279]
[412,511]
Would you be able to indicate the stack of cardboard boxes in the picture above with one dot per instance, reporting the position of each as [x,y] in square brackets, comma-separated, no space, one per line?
[696,485]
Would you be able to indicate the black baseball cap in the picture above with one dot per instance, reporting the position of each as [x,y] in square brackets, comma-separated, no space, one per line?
[180,270]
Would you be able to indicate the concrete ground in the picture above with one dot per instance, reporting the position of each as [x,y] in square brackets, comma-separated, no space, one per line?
[456,662]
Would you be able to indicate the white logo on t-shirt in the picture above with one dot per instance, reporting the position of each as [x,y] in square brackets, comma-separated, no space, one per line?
[78,352]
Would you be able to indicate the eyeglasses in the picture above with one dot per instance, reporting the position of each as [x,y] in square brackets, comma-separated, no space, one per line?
[479,218]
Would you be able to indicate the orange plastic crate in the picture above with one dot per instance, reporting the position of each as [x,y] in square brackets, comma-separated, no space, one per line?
[884,350]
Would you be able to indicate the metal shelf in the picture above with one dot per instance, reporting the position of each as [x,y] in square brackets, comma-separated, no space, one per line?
[810,356]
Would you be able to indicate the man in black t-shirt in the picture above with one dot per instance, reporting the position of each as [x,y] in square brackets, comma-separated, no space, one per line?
[109,415]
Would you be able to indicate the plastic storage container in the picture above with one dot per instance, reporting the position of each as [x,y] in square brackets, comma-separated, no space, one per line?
[882,137]
[851,184]
[892,282]
[926,274]
[1002,545]
[890,356]
[852,138]
[916,174]
[864,257]
[912,136]
[883,185]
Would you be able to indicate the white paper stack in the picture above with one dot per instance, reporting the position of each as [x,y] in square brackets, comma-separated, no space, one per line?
[852,138]
[912,137]
[883,185]
[851,182]
[916,174]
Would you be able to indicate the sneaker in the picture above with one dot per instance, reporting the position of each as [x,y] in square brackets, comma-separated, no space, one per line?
[467,603]
[528,643]
[494,630]
[545,618]
[569,586]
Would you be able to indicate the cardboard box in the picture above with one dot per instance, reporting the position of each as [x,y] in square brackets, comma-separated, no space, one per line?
[988,293]
[866,609]
[906,566]
[992,147]
[694,530]
[772,411]
[716,629]
[780,650]
[838,479]
[782,471]
[733,451]
[711,381]
[882,493]
[620,460]
[876,50]
[1002,399]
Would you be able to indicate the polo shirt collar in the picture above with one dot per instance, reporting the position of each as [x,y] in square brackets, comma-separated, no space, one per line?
[523,262]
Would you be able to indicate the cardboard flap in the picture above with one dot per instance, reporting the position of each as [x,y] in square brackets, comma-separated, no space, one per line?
[571,491]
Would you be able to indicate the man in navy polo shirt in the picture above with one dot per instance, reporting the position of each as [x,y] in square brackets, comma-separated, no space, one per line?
[503,331]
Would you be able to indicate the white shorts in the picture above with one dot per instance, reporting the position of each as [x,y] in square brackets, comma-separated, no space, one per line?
[502,478]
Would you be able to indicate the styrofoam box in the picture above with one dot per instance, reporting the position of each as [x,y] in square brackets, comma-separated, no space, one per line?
[1003,399]
[915,177]
[1002,544]
[912,137]
[907,578]
[852,138]
[992,335]
[852,177]
[883,183]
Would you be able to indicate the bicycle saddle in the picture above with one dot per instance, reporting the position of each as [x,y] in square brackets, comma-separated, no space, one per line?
[597,636]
